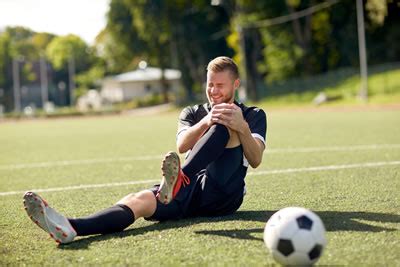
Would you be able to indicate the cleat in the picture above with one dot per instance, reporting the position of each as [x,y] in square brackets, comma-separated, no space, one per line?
[173,178]
[48,219]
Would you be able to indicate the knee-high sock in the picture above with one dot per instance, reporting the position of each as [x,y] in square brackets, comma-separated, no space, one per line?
[110,220]
[209,148]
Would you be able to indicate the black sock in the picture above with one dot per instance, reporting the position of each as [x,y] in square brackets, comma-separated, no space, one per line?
[111,220]
[209,148]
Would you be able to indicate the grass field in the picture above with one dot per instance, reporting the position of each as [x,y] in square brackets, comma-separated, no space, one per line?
[87,164]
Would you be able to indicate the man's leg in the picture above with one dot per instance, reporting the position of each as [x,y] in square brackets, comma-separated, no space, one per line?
[113,219]
[207,149]
[117,217]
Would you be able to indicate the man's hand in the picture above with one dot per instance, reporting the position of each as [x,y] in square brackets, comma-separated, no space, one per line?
[229,115]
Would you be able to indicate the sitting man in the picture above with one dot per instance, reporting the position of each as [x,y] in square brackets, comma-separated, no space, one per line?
[222,137]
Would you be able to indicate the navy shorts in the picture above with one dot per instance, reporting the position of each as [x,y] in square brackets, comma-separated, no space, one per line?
[205,198]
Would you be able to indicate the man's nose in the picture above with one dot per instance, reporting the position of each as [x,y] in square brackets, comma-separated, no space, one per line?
[213,90]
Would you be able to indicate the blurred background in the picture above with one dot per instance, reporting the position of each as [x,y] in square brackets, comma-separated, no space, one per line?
[71,57]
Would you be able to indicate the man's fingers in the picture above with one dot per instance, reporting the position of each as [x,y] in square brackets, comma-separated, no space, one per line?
[223,106]
[220,121]
[224,111]
[222,116]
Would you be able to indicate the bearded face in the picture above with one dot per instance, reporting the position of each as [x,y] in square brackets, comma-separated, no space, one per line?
[221,87]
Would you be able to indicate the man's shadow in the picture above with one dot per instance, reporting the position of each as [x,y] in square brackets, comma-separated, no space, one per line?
[333,221]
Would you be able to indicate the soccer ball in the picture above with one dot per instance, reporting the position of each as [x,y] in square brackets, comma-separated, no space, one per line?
[295,236]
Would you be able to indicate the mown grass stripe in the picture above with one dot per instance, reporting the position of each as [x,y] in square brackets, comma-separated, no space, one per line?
[255,173]
[153,157]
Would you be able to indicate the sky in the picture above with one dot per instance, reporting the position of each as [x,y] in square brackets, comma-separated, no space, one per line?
[85,18]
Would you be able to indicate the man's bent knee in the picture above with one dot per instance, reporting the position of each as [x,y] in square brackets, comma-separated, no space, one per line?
[219,130]
[143,203]
[224,132]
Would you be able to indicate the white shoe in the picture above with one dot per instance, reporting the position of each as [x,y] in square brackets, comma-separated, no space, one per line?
[48,219]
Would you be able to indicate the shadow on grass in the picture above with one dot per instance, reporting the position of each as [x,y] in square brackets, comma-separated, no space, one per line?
[333,220]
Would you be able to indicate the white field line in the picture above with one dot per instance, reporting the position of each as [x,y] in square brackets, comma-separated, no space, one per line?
[327,168]
[332,148]
[153,157]
[79,187]
[74,162]
[255,173]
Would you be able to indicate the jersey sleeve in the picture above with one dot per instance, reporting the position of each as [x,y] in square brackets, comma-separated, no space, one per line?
[258,124]
[186,120]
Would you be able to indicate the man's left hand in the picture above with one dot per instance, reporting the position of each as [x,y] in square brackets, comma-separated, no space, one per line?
[229,115]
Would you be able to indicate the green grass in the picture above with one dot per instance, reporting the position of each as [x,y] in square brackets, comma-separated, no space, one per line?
[359,206]
[341,86]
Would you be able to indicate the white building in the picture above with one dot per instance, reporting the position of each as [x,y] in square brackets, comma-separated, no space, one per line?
[139,83]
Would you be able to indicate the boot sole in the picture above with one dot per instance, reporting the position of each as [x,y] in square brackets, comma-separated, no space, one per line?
[36,209]
[170,170]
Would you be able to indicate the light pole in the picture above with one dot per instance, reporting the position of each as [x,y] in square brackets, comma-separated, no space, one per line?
[43,81]
[363,94]
[16,84]
[71,72]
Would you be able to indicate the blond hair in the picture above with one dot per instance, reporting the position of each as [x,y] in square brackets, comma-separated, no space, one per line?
[220,64]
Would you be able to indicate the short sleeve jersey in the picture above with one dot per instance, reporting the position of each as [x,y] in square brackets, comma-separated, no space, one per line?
[255,117]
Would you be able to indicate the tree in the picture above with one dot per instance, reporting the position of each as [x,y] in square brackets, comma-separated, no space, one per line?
[16,44]
[183,34]
[5,71]
[62,48]
[70,55]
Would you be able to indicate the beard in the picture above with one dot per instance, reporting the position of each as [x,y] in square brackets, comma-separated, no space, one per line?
[225,99]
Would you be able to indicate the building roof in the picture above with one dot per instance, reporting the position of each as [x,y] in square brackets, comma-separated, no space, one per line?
[147,74]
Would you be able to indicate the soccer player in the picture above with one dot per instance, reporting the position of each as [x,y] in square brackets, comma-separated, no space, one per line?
[221,138]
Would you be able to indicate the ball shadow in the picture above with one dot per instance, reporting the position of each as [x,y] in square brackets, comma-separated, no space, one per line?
[333,221]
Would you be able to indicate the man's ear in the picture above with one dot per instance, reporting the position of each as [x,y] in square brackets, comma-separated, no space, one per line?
[236,84]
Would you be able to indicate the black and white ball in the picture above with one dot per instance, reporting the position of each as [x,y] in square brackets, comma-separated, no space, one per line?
[295,236]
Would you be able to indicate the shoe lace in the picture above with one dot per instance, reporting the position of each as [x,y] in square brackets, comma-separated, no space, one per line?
[184,180]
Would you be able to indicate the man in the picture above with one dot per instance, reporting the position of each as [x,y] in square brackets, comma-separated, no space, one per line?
[222,137]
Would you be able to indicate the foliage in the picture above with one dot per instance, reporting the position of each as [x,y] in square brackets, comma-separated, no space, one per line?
[91,78]
[377,11]
[281,54]
[27,48]
[186,34]
[64,48]
[178,34]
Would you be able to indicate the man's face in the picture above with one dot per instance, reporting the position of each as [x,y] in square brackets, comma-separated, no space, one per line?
[221,87]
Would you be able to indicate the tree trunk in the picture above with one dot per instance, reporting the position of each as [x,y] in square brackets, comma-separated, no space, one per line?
[302,36]
[164,86]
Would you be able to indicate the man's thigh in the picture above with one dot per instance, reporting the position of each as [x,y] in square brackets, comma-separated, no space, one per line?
[213,200]
[171,211]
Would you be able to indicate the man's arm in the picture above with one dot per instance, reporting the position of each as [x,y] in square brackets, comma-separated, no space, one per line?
[188,137]
[253,148]
[231,116]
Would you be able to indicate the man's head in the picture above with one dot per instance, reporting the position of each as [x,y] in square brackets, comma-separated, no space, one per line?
[222,80]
